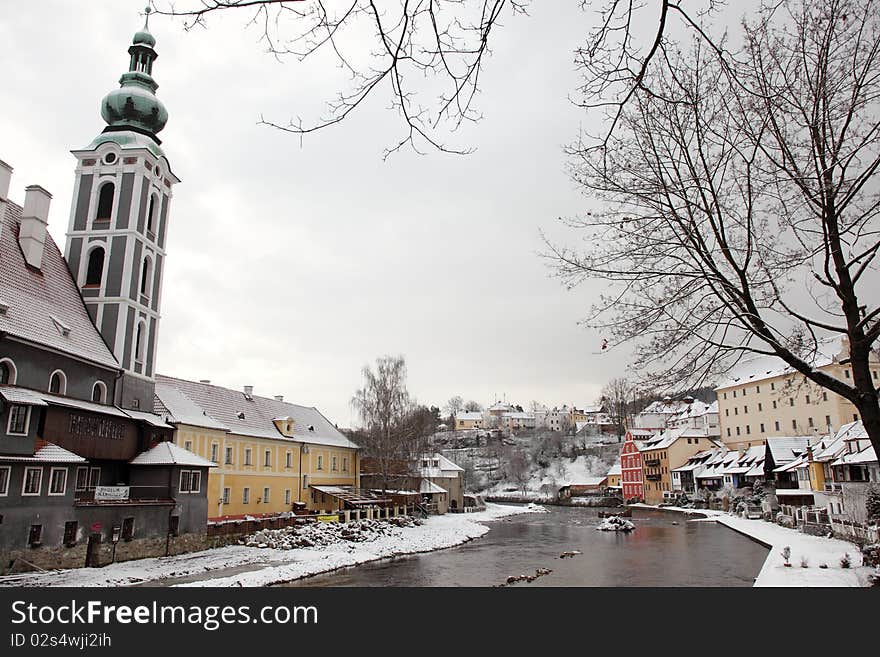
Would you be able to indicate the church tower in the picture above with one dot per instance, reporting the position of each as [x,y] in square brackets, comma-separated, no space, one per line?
[119,221]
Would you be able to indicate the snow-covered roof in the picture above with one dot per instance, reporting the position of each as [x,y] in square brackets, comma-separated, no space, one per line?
[445,467]
[206,405]
[428,486]
[760,368]
[867,455]
[48,453]
[15,395]
[697,409]
[665,407]
[469,416]
[615,470]
[44,305]
[786,448]
[167,453]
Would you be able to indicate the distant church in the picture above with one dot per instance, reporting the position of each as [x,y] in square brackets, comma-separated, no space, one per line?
[87,472]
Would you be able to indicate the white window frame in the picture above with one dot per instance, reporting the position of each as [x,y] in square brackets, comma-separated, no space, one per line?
[195,478]
[39,484]
[287,496]
[52,472]
[13,370]
[248,453]
[288,461]
[320,462]
[215,452]
[267,458]
[228,455]
[103,388]
[8,468]
[92,486]
[266,492]
[188,445]
[180,487]
[246,495]
[62,389]
[27,420]
[226,495]
[76,487]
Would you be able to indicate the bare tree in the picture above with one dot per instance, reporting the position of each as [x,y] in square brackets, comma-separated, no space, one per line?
[420,49]
[472,406]
[518,468]
[393,427]
[453,407]
[427,56]
[617,396]
[740,204]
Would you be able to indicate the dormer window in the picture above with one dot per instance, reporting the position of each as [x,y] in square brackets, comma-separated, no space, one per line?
[105,202]
[7,372]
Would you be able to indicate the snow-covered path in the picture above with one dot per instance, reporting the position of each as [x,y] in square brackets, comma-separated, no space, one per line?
[260,567]
[816,550]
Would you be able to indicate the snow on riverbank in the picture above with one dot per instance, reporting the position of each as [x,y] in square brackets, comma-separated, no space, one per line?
[259,567]
[815,550]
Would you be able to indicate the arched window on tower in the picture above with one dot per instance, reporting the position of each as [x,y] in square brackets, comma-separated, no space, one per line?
[58,383]
[146,274]
[151,216]
[7,372]
[105,202]
[139,340]
[95,271]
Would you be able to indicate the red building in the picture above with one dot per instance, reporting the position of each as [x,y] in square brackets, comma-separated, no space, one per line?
[631,479]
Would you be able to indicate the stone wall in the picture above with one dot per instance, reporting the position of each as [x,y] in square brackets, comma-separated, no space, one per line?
[28,559]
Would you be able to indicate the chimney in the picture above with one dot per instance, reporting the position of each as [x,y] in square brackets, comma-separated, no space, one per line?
[279,397]
[204,380]
[5,179]
[34,219]
[249,391]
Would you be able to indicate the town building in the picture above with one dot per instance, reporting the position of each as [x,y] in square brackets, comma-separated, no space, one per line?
[662,453]
[469,420]
[765,397]
[270,454]
[658,415]
[613,478]
[700,416]
[431,480]
[631,479]
[86,472]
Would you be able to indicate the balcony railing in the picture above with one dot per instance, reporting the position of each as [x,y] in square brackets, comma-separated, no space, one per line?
[653,476]
[652,463]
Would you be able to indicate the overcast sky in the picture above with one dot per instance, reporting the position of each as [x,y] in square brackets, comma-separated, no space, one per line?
[291,267]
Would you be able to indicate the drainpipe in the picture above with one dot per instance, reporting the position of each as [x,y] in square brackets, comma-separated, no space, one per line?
[170,512]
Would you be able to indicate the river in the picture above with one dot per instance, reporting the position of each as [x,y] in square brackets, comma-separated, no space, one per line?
[664,550]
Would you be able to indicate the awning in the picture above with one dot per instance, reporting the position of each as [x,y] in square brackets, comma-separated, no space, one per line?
[21,396]
[429,487]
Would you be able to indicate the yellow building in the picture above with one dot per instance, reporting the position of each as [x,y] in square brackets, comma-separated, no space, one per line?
[469,420]
[764,397]
[268,451]
[665,452]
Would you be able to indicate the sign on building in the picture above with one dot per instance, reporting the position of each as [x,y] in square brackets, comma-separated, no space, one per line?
[111,493]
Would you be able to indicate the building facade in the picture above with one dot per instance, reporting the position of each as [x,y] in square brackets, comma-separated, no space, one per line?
[84,475]
[764,397]
[665,452]
[269,453]
[631,480]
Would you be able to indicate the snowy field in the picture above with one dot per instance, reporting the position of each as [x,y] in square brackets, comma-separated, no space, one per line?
[813,550]
[238,565]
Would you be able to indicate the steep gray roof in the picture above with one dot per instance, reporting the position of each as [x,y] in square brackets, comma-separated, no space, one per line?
[36,297]
[206,405]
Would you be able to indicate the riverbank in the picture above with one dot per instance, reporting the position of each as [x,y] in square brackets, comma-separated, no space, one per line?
[813,551]
[239,565]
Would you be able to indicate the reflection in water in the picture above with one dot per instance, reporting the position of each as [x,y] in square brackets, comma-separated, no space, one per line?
[657,553]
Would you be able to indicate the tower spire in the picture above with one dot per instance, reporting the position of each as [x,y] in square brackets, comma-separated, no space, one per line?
[134,105]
